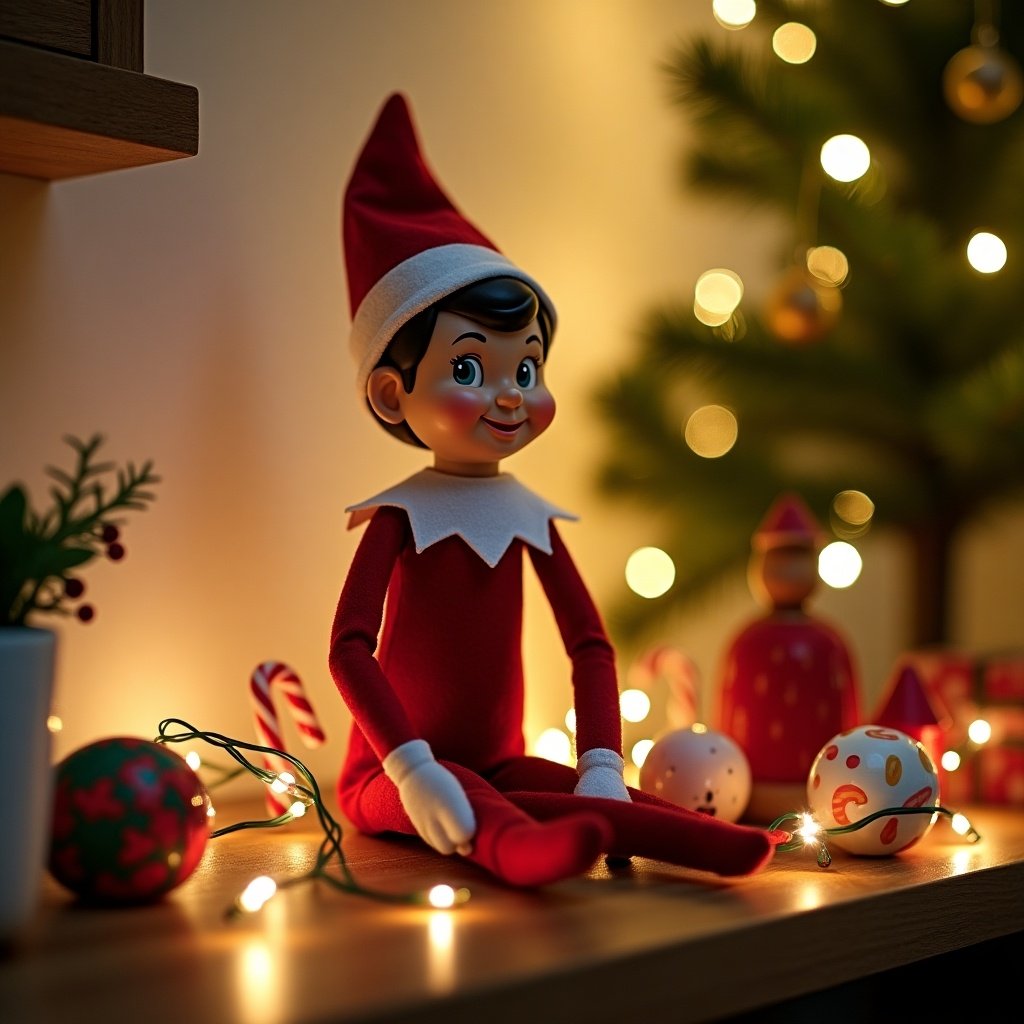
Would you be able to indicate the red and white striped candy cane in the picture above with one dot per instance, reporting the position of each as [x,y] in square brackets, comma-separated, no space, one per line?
[265,678]
[668,664]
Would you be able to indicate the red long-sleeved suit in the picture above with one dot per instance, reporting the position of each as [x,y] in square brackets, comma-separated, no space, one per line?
[448,669]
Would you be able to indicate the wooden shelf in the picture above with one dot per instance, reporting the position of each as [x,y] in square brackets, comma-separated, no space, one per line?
[649,942]
[73,96]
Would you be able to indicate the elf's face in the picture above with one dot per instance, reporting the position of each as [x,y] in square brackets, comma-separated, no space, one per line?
[479,394]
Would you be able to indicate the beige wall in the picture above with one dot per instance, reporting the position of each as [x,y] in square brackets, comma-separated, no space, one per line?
[195,312]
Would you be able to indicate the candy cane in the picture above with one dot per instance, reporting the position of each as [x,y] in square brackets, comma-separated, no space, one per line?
[678,670]
[268,730]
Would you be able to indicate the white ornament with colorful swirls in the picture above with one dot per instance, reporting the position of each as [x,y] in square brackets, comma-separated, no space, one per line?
[868,769]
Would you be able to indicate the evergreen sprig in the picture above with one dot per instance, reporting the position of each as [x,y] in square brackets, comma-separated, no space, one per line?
[39,550]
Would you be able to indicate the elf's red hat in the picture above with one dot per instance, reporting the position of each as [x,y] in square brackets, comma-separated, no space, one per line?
[788,523]
[406,244]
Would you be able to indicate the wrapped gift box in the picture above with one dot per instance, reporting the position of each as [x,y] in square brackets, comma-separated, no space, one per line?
[963,687]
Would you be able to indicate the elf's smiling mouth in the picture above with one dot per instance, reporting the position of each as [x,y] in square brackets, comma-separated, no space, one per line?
[504,429]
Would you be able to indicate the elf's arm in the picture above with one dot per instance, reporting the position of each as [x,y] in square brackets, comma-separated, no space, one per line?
[432,797]
[594,680]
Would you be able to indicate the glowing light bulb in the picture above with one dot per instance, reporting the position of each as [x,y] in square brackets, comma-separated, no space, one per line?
[845,157]
[734,14]
[986,252]
[979,731]
[554,745]
[960,824]
[794,43]
[634,705]
[650,572]
[297,809]
[256,893]
[640,751]
[711,431]
[570,720]
[54,723]
[193,760]
[950,760]
[441,896]
[282,782]
[839,564]
[809,829]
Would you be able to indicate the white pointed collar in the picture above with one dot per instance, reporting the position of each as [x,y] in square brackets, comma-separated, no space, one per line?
[487,512]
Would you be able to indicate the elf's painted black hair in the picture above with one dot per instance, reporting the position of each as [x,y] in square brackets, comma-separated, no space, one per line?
[500,303]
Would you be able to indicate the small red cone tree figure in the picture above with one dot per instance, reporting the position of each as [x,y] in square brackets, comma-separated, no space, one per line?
[907,707]
[787,682]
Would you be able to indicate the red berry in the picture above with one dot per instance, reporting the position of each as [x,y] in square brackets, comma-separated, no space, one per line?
[74,587]
[86,612]
[110,533]
[115,552]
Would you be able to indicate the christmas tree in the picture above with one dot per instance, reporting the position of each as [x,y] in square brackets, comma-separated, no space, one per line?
[883,377]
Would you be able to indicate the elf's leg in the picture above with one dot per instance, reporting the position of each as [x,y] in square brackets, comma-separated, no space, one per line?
[647,827]
[508,842]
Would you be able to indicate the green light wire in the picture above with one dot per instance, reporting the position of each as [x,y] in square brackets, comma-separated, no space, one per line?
[825,858]
[330,850]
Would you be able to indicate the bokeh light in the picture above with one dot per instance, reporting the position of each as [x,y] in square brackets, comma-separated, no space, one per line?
[570,720]
[555,745]
[839,564]
[711,431]
[828,264]
[734,14]
[986,252]
[640,751]
[716,295]
[634,705]
[794,43]
[845,157]
[979,731]
[650,572]
[950,761]
[853,507]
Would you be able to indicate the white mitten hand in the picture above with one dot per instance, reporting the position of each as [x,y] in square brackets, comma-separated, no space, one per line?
[432,797]
[600,772]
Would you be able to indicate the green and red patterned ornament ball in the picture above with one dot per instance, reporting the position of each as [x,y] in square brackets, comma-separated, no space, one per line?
[130,821]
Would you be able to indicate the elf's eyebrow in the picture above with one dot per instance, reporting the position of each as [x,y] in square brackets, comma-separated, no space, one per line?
[479,337]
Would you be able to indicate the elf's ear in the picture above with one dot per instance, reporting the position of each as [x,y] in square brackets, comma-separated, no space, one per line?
[384,390]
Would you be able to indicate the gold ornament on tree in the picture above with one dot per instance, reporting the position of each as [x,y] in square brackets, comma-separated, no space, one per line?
[982,82]
[802,309]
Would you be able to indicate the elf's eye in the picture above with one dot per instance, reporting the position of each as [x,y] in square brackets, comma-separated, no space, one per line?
[526,374]
[468,371]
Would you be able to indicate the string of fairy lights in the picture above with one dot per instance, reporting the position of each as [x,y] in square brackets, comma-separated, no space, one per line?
[331,866]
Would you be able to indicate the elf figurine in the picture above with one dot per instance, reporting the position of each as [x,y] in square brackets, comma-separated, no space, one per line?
[450,339]
[788,682]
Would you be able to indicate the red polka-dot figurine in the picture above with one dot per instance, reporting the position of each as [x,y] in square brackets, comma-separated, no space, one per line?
[788,681]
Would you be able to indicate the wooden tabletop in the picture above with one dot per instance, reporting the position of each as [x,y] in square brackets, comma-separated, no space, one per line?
[619,944]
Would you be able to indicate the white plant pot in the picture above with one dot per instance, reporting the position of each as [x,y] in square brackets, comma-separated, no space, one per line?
[27,659]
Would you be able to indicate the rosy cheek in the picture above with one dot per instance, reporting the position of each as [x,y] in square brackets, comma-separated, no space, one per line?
[542,410]
[460,409]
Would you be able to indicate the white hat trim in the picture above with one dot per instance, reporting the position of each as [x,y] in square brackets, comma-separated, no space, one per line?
[415,284]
